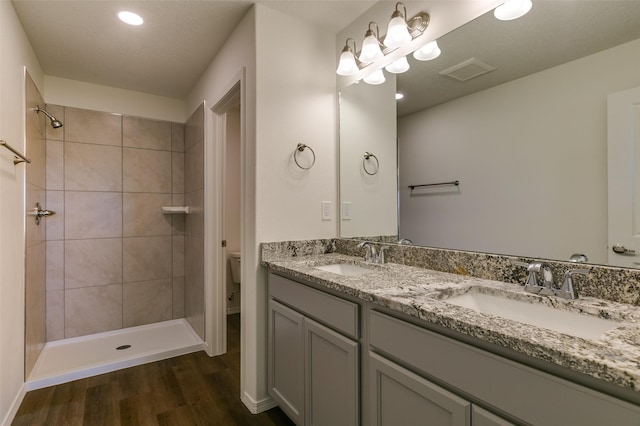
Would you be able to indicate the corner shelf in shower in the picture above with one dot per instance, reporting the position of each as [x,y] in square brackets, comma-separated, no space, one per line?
[175,210]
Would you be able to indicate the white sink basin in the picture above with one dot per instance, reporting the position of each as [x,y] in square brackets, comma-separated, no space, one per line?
[344,269]
[537,315]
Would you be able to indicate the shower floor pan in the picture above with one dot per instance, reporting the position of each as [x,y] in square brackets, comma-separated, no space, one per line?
[79,357]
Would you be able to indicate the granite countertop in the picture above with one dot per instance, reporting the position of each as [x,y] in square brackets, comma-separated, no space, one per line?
[613,357]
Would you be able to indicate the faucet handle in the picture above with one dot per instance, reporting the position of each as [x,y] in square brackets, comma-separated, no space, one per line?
[567,291]
[532,284]
[381,254]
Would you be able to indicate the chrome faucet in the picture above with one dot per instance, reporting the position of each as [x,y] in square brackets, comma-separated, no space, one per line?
[567,291]
[547,287]
[373,255]
[405,241]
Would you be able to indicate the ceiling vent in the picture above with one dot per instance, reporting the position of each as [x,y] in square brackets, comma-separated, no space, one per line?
[464,71]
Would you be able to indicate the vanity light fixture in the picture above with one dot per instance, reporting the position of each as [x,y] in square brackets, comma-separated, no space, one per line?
[348,64]
[512,9]
[398,66]
[371,50]
[130,18]
[398,30]
[375,78]
[400,33]
[428,52]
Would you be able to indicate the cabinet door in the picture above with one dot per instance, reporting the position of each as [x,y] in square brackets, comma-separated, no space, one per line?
[400,397]
[482,417]
[331,367]
[285,373]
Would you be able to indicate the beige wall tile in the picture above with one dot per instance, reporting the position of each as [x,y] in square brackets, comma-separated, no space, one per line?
[36,152]
[92,262]
[194,128]
[92,215]
[178,297]
[55,165]
[55,315]
[92,310]
[35,234]
[55,134]
[195,219]
[35,304]
[194,284]
[89,167]
[55,265]
[178,221]
[147,258]
[177,172]
[194,168]
[55,223]
[142,215]
[146,170]
[95,127]
[140,132]
[177,137]
[178,256]
[146,302]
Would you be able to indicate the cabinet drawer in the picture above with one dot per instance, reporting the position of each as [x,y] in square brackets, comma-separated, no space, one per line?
[337,313]
[528,394]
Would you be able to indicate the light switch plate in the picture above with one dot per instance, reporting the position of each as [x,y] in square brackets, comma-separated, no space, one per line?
[326,210]
[346,210]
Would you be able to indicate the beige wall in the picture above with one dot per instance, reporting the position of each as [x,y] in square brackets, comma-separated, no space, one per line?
[527,153]
[96,97]
[15,54]
[113,259]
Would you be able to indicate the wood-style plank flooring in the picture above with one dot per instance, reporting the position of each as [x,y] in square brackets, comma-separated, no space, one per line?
[192,389]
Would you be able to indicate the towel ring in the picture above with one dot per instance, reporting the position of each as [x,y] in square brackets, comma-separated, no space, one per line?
[301,147]
[367,156]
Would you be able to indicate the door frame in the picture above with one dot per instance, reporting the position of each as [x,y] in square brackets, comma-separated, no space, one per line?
[214,253]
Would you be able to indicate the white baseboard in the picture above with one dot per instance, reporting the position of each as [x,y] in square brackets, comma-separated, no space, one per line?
[14,406]
[256,407]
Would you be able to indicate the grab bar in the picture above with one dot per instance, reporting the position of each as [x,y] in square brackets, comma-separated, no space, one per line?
[21,159]
[453,182]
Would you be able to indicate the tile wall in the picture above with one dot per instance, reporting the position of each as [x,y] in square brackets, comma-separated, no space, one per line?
[35,295]
[113,259]
[194,236]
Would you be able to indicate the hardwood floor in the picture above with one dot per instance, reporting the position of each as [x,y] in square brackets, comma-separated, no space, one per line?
[192,389]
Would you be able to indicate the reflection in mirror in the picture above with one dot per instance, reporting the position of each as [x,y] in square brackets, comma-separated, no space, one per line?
[528,141]
[368,126]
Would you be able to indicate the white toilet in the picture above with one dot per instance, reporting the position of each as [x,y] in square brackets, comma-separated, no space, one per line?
[234,261]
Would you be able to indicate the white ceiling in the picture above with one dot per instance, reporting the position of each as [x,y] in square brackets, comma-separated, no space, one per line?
[83,39]
[552,33]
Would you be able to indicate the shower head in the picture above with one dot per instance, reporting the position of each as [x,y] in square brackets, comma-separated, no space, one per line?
[55,123]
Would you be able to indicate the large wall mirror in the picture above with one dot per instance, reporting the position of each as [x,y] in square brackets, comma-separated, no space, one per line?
[527,141]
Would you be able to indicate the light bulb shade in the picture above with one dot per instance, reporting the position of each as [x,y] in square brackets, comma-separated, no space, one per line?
[428,52]
[347,64]
[398,66]
[376,77]
[512,9]
[370,49]
[397,33]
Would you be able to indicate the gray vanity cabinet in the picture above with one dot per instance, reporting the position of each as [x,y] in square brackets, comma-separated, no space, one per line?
[313,354]
[400,397]
[286,370]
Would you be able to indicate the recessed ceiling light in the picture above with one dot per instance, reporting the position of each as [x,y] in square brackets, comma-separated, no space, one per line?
[399,96]
[130,18]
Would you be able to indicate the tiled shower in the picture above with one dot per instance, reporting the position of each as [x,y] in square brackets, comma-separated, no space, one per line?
[113,260]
